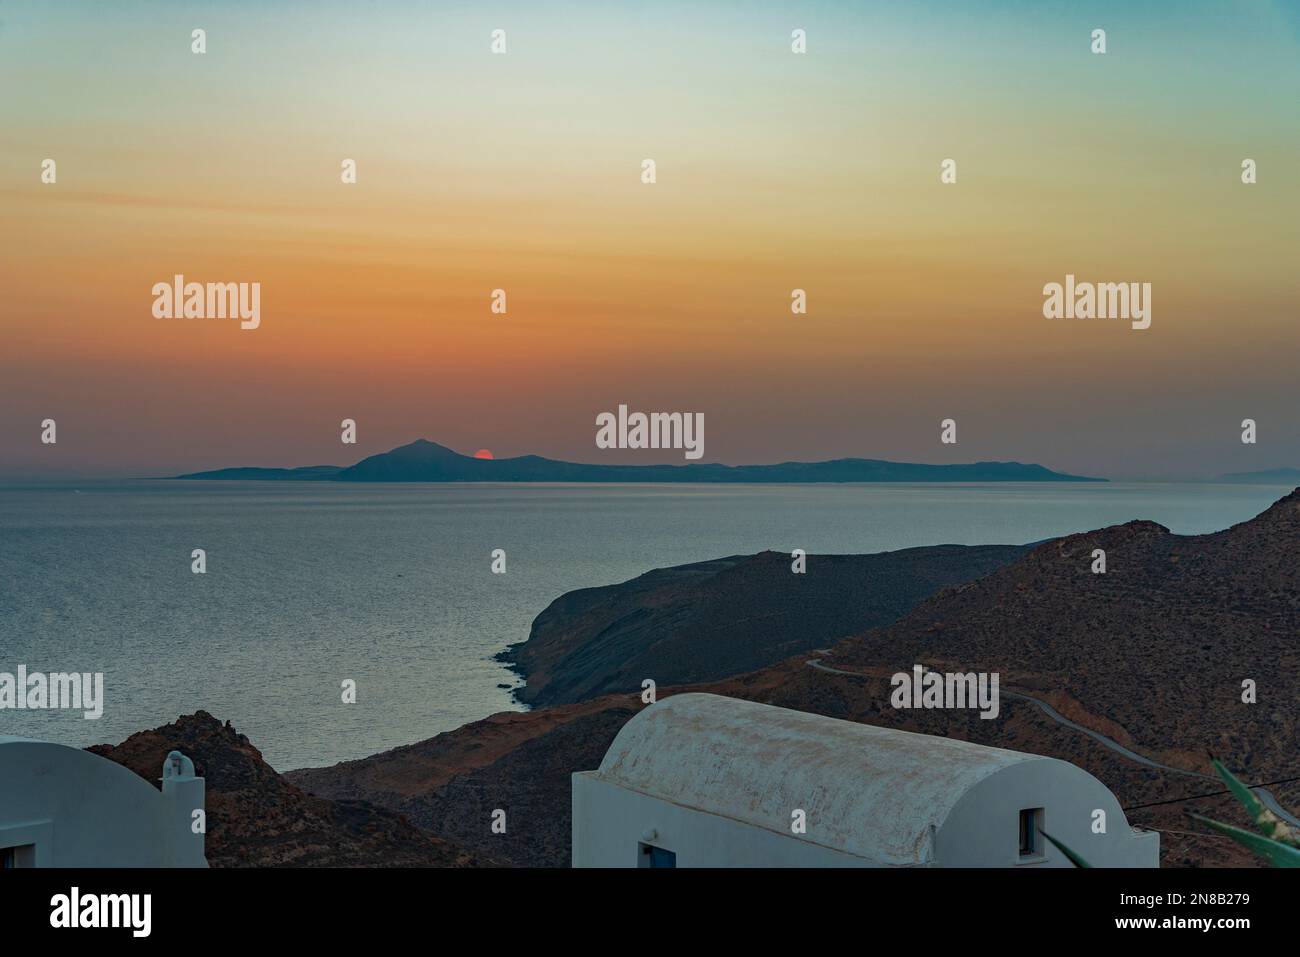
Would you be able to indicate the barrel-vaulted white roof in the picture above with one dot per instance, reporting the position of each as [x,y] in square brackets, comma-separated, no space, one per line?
[78,809]
[873,792]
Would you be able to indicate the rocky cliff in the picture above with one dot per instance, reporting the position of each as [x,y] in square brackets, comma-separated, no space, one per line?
[715,619]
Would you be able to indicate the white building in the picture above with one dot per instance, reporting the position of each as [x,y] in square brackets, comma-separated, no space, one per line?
[699,780]
[65,807]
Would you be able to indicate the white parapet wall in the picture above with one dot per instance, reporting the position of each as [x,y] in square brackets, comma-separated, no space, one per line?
[65,807]
[700,780]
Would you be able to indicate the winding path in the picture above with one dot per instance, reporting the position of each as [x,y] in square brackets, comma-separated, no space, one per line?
[1266,797]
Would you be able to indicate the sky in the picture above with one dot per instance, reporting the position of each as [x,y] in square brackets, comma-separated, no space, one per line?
[775,171]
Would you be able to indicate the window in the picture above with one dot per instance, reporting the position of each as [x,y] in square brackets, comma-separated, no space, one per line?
[24,855]
[26,845]
[1031,841]
[651,856]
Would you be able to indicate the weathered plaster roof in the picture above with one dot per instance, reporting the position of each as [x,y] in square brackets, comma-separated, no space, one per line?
[68,756]
[873,792]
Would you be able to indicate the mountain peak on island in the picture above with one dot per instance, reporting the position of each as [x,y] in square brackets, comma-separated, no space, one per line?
[426,461]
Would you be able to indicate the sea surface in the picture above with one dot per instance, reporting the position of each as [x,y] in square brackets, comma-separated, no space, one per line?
[309,584]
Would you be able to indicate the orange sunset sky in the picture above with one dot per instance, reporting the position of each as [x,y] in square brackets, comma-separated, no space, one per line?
[775,171]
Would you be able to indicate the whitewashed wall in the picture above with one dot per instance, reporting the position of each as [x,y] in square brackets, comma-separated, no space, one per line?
[81,810]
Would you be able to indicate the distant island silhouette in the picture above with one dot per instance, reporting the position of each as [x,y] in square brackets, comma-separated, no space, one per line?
[425,461]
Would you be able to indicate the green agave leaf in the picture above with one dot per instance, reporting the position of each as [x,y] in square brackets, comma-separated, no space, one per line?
[1239,790]
[1074,858]
[1268,823]
[1281,855]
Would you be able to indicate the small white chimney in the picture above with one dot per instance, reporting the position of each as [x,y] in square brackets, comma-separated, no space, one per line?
[185,814]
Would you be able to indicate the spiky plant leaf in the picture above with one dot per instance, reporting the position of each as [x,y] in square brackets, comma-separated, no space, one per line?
[1279,854]
[1269,824]
[1074,858]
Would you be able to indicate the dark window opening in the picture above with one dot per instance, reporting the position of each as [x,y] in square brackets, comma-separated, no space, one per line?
[1031,841]
[24,855]
[651,856]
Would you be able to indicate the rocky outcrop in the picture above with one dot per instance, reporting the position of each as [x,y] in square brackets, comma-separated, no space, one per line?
[255,818]
[711,620]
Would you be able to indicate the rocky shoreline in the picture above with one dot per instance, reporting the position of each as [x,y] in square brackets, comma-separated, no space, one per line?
[712,620]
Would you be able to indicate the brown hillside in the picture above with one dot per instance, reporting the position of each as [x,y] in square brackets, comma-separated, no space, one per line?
[255,818]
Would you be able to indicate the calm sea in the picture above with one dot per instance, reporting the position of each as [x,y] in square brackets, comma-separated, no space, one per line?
[309,584]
